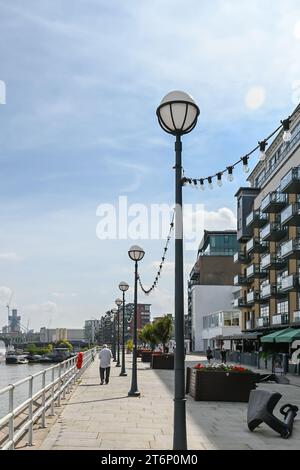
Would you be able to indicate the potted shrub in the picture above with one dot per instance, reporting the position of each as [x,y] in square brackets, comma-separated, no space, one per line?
[221,382]
[147,336]
[163,330]
[129,346]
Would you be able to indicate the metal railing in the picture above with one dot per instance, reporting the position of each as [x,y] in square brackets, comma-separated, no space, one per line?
[56,381]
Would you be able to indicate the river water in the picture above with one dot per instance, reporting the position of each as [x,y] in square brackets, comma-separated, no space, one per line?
[12,373]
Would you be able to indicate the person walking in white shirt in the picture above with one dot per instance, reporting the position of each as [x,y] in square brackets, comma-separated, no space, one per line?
[105,357]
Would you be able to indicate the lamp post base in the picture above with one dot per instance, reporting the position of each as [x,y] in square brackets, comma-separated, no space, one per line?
[123,374]
[134,394]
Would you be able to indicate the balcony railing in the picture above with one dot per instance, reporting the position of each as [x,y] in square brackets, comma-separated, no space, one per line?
[273,232]
[274,202]
[267,291]
[240,257]
[239,280]
[291,215]
[290,249]
[255,245]
[296,316]
[239,302]
[282,319]
[290,183]
[254,271]
[287,283]
[256,219]
[252,297]
[263,322]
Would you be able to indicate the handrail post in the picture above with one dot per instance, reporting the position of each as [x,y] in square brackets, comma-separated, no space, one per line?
[64,381]
[11,419]
[52,392]
[44,400]
[59,384]
[30,411]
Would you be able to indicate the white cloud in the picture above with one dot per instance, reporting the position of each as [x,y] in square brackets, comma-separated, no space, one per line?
[10,256]
[255,97]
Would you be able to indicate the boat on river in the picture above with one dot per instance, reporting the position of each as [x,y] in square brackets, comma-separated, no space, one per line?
[13,358]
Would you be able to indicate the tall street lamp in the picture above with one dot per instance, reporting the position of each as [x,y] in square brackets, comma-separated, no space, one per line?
[114,312]
[118,302]
[136,253]
[177,115]
[123,286]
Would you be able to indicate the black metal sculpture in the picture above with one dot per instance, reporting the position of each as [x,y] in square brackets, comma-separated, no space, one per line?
[260,410]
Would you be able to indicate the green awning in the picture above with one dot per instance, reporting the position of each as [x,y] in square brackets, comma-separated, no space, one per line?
[271,337]
[288,336]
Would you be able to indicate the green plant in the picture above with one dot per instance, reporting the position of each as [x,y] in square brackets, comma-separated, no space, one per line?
[64,344]
[148,335]
[129,345]
[162,330]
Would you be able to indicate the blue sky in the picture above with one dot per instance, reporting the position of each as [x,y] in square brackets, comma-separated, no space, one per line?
[83,80]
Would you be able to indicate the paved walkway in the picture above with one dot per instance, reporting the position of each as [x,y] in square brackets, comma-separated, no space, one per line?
[104,417]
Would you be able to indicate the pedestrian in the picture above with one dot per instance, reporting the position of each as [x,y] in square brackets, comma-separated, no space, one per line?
[223,355]
[105,357]
[209,354]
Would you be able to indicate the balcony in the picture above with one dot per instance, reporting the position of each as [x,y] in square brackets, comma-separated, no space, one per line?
[288,283]
[274,202]
[252,297]
[290,249]
[255,245]
[240,280]
[240,257]
[282,319]
[291,215]
[296,317]
[290,183]
[267,291]
[263,322]
[239,303]
[271,261]
[273,232]
[256,219]
[253,271]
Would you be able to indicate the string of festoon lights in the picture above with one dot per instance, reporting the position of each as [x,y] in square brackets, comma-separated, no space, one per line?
[163,259]
[262,145]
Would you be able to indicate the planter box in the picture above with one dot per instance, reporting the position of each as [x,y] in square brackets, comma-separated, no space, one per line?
[162,361]
[146,356]
[221,386]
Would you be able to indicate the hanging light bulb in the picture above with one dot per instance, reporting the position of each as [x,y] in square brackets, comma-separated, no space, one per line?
[184,181]
[195,184]
[202,184]
[287,135]
[245,164]
[219,179]
[262,148]
[209,180]
[230,171]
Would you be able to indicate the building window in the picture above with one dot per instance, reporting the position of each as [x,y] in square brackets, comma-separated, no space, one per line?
[264,310]
[282,307]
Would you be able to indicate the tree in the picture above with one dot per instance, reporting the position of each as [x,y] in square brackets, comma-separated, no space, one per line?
[64,344]
[147,335]
[129,345]
[162,330]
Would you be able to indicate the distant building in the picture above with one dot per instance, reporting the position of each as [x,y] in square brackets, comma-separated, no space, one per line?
[14,322]
[54,335]
[218,326]
[91,328]
[210,286]
[143,315]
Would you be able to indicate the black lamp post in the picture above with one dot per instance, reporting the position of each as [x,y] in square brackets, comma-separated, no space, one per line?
[135,253]
[118,302]
[114,312]
[177,115]
[123,286]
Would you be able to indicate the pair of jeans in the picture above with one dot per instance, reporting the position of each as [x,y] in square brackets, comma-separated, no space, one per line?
[104,371]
